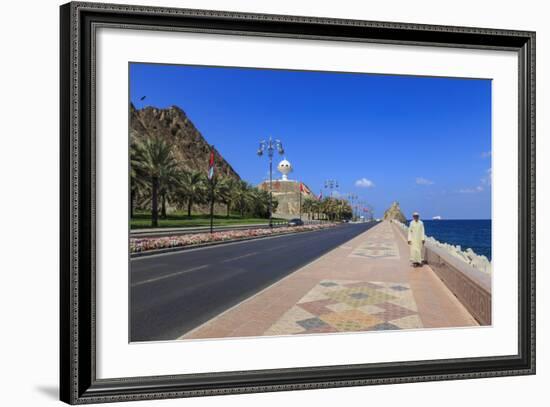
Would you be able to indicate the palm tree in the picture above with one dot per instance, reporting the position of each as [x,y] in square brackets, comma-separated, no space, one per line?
[260,203]
[137,175]
[193,186]
[307,206]
[315,205]
[223,192]
[241,196]
[168,182]
[347,211]
[154,159]
[274,203]
[323,207]
[329,207]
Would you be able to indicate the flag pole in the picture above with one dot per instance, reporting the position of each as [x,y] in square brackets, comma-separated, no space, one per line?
[211,176]
[212,206]
[320,201]
[300,192]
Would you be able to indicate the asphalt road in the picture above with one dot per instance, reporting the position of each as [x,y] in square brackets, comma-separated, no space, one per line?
[173,293]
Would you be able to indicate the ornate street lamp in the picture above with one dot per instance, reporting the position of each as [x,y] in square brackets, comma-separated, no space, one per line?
[331,184]
[270,146]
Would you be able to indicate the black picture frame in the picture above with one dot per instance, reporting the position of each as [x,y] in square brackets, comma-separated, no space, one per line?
[78,382]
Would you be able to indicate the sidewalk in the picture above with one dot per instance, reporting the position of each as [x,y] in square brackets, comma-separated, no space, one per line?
[366,284]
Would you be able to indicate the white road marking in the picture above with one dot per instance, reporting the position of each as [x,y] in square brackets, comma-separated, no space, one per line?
[239,257]
[280,281]
[152,280]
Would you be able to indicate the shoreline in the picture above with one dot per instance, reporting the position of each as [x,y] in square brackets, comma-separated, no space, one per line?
[479,262]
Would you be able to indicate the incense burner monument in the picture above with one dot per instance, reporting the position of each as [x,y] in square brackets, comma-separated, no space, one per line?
[287,192]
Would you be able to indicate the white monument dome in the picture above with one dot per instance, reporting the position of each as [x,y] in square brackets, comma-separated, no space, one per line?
[285,168]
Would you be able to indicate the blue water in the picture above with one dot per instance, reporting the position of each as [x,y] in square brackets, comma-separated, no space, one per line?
[473,234]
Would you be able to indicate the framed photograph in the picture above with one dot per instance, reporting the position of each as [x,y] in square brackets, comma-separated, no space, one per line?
[255,203]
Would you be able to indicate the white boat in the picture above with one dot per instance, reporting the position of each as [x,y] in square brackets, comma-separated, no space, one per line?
[437,217]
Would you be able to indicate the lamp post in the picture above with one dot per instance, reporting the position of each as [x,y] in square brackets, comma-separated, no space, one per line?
[331,184]
[370,210]
[361,203]
[352,197]
[270,146]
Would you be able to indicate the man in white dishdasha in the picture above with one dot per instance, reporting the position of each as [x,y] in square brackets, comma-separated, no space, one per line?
[416,240]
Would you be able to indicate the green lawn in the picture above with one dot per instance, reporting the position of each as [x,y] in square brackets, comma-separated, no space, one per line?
[174,220]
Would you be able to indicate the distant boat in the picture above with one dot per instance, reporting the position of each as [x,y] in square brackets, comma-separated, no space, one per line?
[437,217]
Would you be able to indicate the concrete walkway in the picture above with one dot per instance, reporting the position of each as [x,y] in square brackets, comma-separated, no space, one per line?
[366,284]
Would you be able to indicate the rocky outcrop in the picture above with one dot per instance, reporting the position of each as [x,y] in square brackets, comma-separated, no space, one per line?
[191,150]
[394,213]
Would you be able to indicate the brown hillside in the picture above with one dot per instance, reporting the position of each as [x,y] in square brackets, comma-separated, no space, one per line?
[190,147]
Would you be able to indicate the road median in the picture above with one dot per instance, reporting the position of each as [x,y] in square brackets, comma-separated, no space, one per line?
[156,245]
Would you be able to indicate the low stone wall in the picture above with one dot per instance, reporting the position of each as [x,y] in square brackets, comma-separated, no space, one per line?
[469,284]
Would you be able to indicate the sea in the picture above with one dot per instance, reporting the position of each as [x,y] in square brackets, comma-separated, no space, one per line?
[474,234]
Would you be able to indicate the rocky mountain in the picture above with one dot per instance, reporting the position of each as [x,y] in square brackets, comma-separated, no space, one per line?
[394,212]
[191,149]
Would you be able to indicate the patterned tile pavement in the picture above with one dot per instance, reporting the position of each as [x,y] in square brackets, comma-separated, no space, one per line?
[365,284]
[369,249]
[350,306]
[380,244]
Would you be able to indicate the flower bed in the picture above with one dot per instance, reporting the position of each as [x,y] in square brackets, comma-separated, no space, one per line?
[138,245]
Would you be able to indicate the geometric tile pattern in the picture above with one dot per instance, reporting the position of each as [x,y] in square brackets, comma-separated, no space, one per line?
[371,249]
[350,306]
[381,244]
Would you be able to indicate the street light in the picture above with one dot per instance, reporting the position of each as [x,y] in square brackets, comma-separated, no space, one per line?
[352,197]
[331,184]
[370,210]
[366,208]
[270,146]
[358,205]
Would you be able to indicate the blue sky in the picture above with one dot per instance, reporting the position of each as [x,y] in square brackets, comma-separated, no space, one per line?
[423,141]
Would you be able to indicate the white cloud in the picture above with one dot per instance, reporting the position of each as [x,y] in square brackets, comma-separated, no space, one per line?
[364,183]
[479,188]
[486,154]
[424,181]
[488,178]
